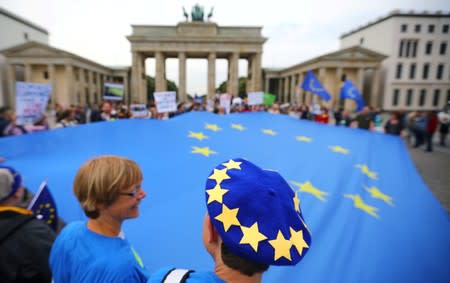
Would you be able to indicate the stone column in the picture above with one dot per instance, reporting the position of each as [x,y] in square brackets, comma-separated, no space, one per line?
[256,72]
[126,93]
[69,93]
[90,96]
[301,93]
[211,75]
[293,92]
[375,95]
[136,77]
[280,96]
[266,84]
[11,74]
[28,73]
[99,89]
[250,75]
[321,78]
[337,89]
[360,78]
[81,86]
[52,79]
[182,76]
[233,71]
[286,89]
[160,77]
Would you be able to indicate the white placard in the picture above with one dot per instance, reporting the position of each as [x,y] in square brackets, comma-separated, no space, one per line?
[166,101]
[139,111]
[225,102]
[255,98]
[31,101]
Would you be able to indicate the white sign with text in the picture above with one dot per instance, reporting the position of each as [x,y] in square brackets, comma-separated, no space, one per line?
[166,101]
[255,98]
[31,101]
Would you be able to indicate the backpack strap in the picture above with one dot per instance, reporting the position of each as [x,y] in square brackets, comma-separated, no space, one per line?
[177,275]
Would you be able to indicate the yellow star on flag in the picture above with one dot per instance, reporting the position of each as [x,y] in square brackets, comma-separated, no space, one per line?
[219,175]
[197,135]
[212,127]
[238,127]
[206,151]
[252,236]
[281,246]
[228,217]
[297,240]
[232,164]
[360,204]
[216,194]
[365,170]
[269,132]
[339,149]
[307,187]
[377,194]
[303,139]
[296,202]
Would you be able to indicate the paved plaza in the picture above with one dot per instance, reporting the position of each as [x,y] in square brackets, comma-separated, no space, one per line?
[434,167]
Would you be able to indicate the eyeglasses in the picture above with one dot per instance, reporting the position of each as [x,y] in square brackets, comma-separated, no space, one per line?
[133,193]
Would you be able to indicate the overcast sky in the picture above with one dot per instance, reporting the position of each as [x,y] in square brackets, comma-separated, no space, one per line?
[297,30]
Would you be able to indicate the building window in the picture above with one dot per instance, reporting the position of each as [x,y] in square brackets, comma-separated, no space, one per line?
[423,94]
[414,49]
[408,48]
[412,71]
[404,28]
[417,28]
[443,48]
[25,36]
[409,95]
[440,70]
[46,75]
[437,93]
[400,50]
[431,28]
[398,73]
[395,97]
[448,97]
[426,69]
[445,29]
[361,41]
[428,48]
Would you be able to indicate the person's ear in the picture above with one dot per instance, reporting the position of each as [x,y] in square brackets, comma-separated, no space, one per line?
[212,233]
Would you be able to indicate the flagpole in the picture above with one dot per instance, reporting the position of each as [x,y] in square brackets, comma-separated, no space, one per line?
[41,187]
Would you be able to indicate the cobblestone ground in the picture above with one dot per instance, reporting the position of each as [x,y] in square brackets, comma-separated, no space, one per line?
[434,167]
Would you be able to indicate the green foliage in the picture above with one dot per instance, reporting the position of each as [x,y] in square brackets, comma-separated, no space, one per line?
[171,86]
[242,87]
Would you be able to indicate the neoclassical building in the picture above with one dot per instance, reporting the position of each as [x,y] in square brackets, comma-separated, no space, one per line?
[74,79]
[196,39]
[360,65]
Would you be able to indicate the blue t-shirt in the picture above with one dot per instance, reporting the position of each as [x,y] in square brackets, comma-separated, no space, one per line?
[80,255]
[194,277]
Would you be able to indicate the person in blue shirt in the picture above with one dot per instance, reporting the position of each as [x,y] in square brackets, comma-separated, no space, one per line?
[253,221]
[109,190]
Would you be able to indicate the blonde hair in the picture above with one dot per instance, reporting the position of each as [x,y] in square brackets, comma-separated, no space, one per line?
[101,179]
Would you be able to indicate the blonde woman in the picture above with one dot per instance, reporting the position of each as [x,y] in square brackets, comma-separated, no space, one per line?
[109,189]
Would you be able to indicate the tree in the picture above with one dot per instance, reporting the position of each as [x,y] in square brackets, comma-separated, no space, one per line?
[171,86]
[242,87]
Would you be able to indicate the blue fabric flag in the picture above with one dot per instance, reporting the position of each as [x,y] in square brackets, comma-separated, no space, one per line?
[310,83]
[349,91]
[371,217]
[44,207]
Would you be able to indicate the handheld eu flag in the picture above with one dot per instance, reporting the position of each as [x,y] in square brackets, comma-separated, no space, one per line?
[349,91]
[310,83]
[44,207]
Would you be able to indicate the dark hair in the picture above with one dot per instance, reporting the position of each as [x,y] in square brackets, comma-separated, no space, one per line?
[240,264]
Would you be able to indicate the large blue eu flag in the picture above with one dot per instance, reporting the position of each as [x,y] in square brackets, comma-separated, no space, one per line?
[349,91]
[44,206]
[370,214]
[310,83]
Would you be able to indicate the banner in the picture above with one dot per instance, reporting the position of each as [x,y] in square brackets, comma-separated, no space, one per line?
[255,98]
[139,111]
[31,101]
[166,101]
[113,91]
[225,102]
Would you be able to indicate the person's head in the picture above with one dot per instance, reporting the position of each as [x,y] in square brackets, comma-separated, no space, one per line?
[254,218]
[11,189]
[109,184]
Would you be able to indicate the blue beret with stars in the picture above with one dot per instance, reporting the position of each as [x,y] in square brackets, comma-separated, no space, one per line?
[12,187]
[256,213]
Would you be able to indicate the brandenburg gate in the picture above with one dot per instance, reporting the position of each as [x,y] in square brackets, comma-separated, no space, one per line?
[196,39]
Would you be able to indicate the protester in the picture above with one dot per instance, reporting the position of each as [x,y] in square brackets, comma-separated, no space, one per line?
[364,119]
[444,123]
[12,128]
[432,122]
[25,241]
[393,126]
[254,223]
[109,190]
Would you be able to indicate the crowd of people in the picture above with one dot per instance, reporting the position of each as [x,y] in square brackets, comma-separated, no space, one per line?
[417,125]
